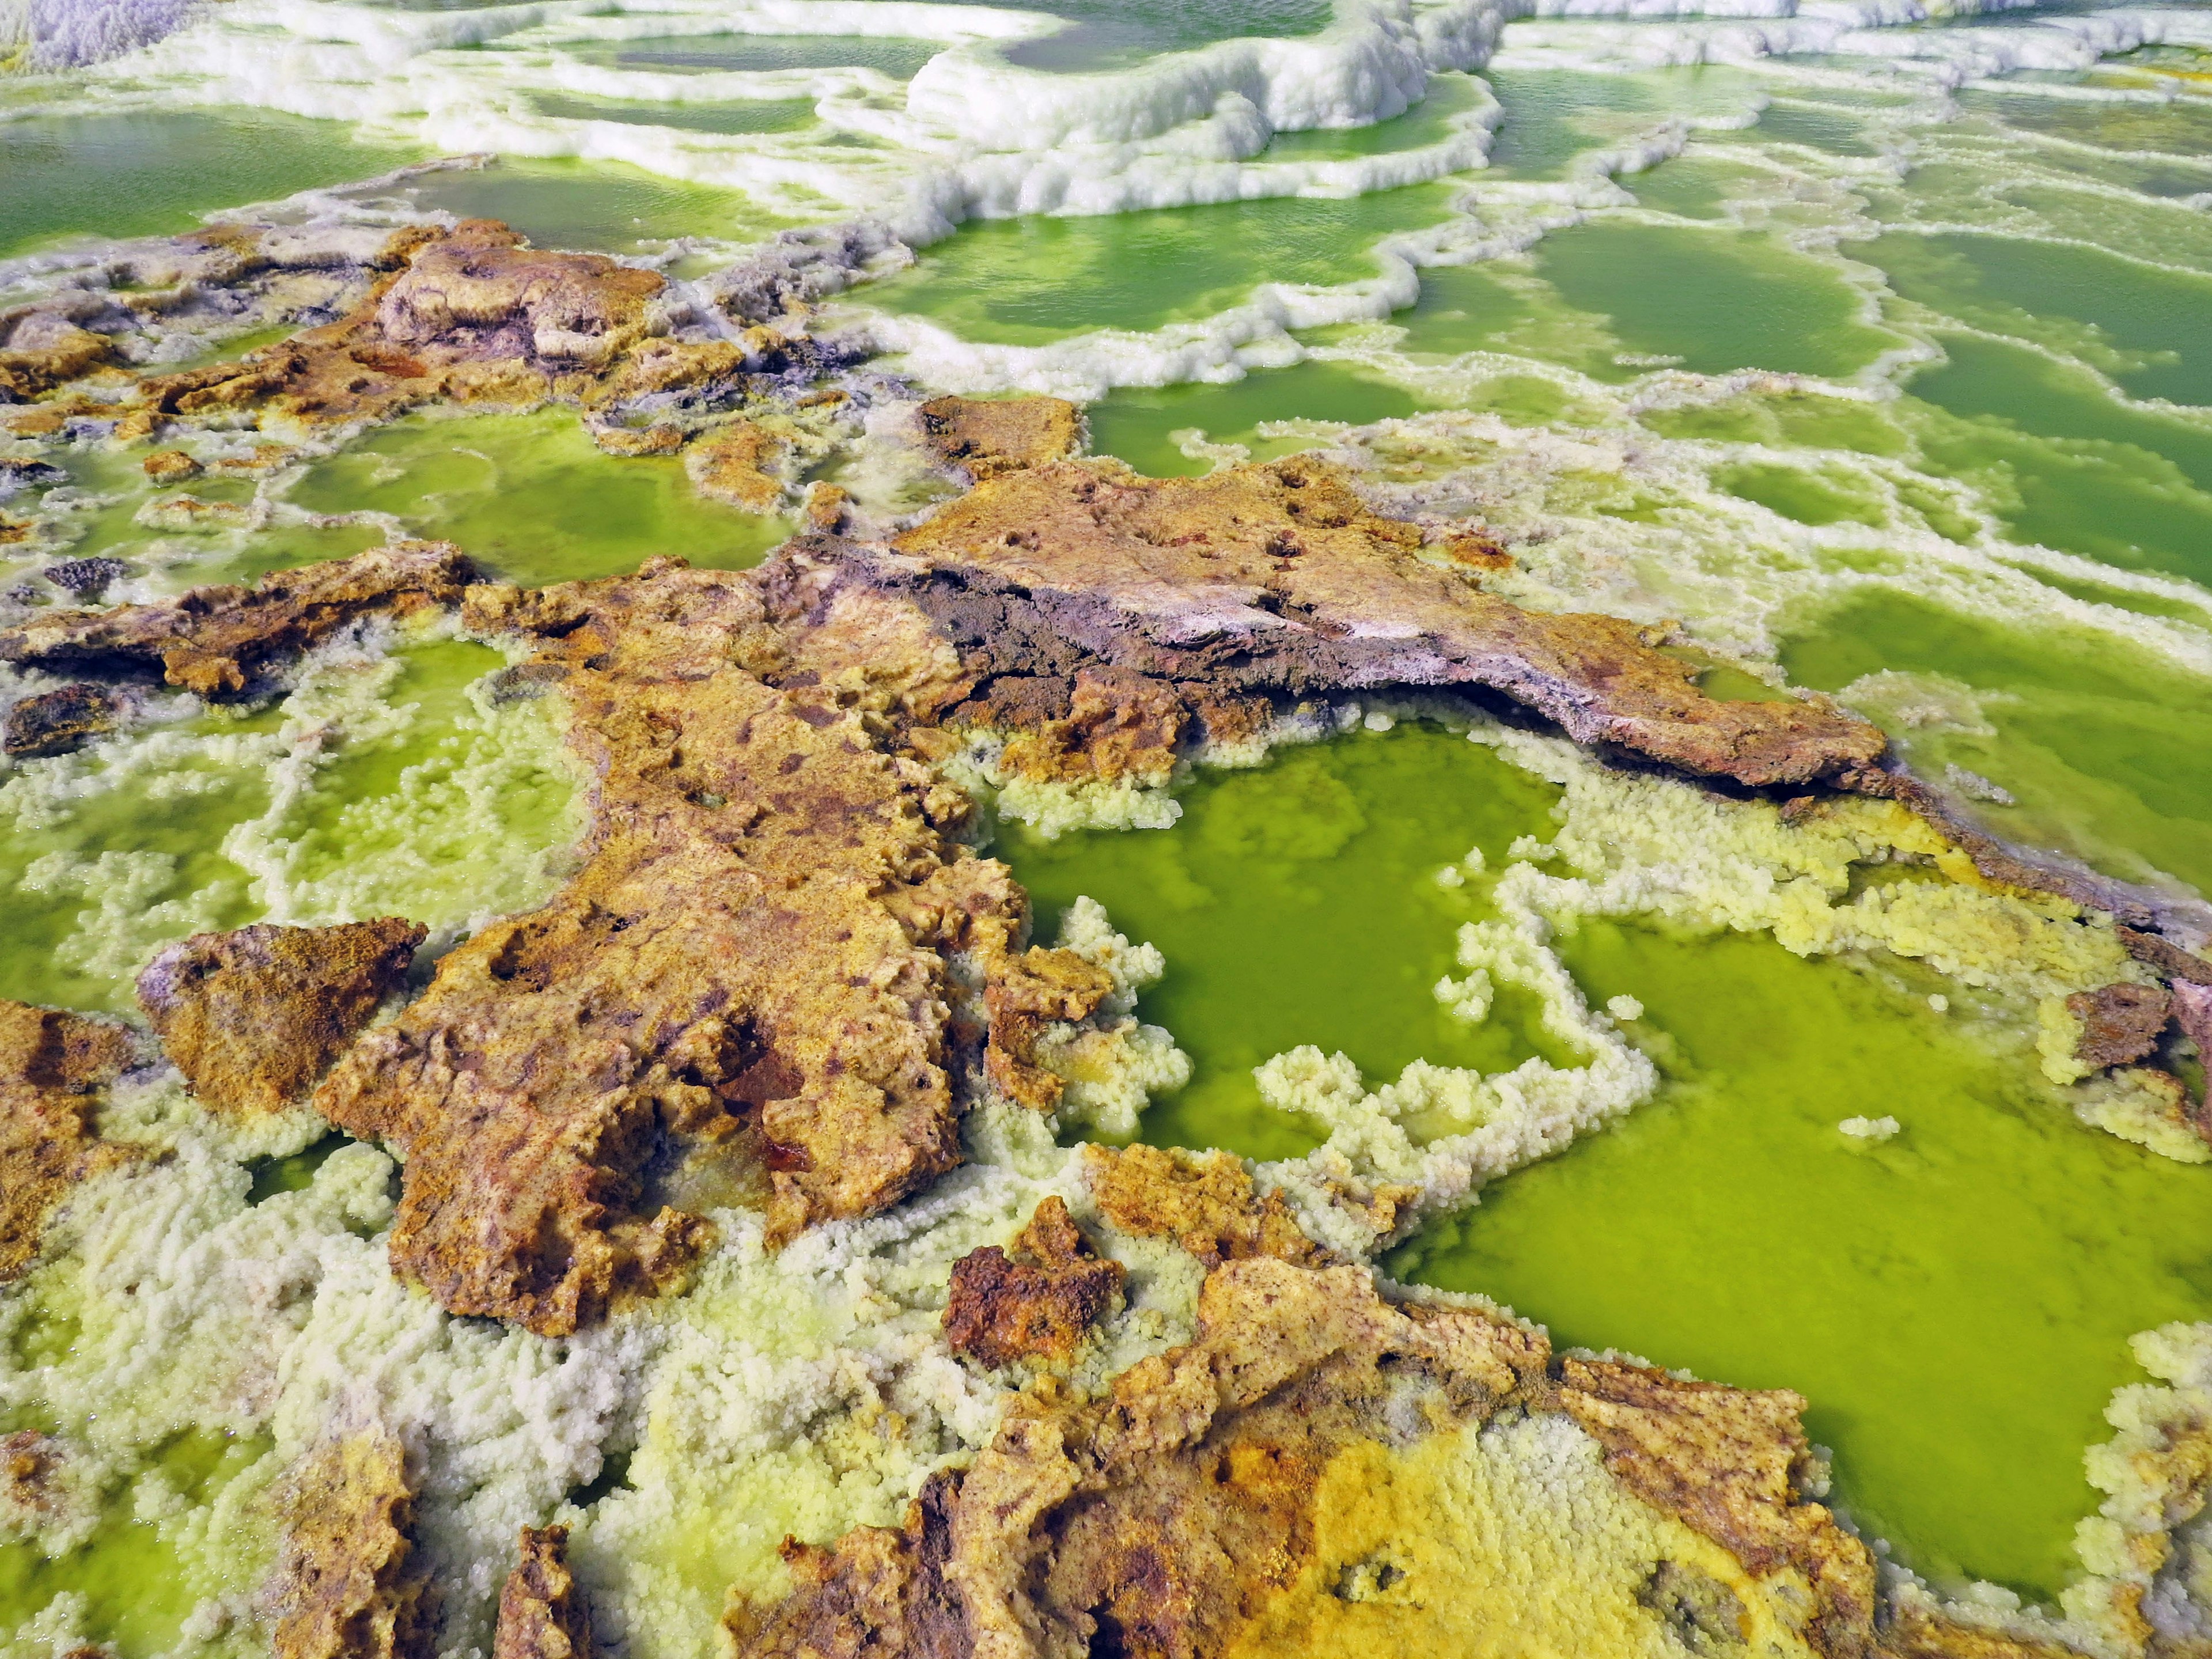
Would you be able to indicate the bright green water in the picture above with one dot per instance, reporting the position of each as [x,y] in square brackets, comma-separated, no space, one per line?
[1111,34]
[753,115]
[156,174]
[531,498]
[1297,904]
[603,206]
[1955,1303]
[1026,280]
[1135,424]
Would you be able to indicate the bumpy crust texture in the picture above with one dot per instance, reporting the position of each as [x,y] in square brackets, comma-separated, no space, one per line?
[1036,1302]
[52,1065]
[344,1584]
[543,1613]
[252,1018]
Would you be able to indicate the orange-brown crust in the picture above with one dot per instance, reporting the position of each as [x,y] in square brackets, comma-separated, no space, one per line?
[543,1610]
[52,1065]
[1204,1201]
[346,1584]
[985,436]
[253,1017]
[1036,1302]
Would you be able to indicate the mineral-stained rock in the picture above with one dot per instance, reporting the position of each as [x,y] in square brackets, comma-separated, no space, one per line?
[167,467]
[543,1613]
[1178,1513]
[661,440]
[985,436]
[2181,966]
[344,1584]
[735,464]
[253,1017]
[52,1065]
[1027,994]
[218,640]
[56,722]
[1204,1201]
[2120,1023]
[750,959]
[29,1461]
[1276,579]
[41,349]
[1036,1302]
[86,578]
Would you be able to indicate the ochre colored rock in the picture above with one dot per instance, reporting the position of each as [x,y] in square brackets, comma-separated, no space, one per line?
[167,467]
[661,440]
[40,350]
[345,1582]
[253,1017]
[828,506]
[1278,579]
[1026,993]
[1204,1201]
[750,959]
[543,1613]
[2120,1023]
[216,640]
[1035,1304]
[56,722]
[985,436]
[735,464]
[52,1065]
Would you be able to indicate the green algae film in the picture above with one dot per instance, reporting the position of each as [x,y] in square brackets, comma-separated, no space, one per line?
[1297,902]
[1955,1302]
[533,500]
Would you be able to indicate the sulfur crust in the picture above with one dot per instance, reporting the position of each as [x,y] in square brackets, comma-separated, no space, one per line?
[1503,1540]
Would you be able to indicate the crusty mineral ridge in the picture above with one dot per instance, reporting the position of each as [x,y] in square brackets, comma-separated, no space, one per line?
[543,1613]
[253,1017]
[985,436]
[216,640]
[737,464]
[344,1586]
[1036,1302]
[1308,1477]
[2120,1023]
[56,722]
[1204,1201]
[751,958]
[52,1065]
[1276,580]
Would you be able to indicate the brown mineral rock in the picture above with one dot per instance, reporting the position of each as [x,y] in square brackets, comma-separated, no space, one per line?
[2120,1023]
[828,506]
[1306,1478]
[1036,1302]
[167,467]
[52,1065]
[1732,1464]
[41,349]
[880,1594]
[56,722]
[735,464]
[543,1613]
[986,436]
[217,640]
[2183,967]
[29,1461]
[1026,993]
[252,1018]
[749,960]
[1203,1201]
[1277,579]
[661,440]
[344,1584]
[470,314]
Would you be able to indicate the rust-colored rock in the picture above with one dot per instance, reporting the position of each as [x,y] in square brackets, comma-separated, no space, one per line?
[1036,1302]
[253,1017]
[2183,967]
[57,722]
[1026,993]
[661,440]
[2120,1023]
[52,1065]
[1276,579]
[345,1586]
[168,467]
[218,641]
[986,436]
[41,349]
[750,958]
[543,1613]
[1204,1201]
[29,1463]
[1732,1464]
[737,464]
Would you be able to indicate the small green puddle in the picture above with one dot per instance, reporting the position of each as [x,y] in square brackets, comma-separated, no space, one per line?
[2101,744]
[1032,279]
[737,116]
[1795,492]
[1955,1302]
[294,1173]
[1297,902]
[531,498]
[605,206]
[138,1579]
[1135,424]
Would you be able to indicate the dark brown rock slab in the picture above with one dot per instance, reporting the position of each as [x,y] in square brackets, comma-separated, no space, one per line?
[60,721]
[543,1610]
[1036,1302]
[2120,1023]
